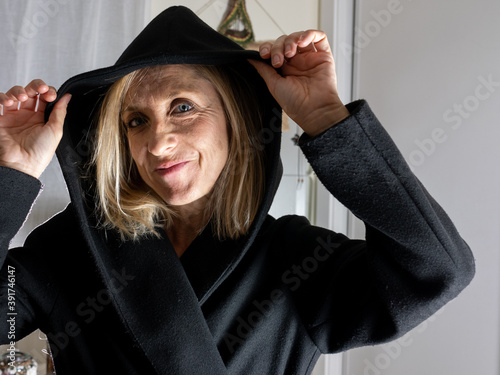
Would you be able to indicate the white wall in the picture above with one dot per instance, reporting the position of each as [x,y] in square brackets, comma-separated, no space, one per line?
[422,72]
[270,19]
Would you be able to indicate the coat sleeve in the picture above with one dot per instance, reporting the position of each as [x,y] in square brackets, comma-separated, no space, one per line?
[350,292]
[18,191]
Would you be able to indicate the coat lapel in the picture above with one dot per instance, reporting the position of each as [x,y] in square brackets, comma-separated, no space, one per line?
[158,305]
[206,262]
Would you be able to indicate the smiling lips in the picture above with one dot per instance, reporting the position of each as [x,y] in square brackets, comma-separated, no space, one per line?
[171,167]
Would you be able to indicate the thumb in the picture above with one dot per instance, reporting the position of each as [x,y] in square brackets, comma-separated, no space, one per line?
[58,114]
[268,73]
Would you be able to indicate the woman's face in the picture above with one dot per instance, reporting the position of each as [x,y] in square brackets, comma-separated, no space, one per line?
[177,133]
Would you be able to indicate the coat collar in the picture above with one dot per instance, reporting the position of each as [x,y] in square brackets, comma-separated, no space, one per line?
[158,305]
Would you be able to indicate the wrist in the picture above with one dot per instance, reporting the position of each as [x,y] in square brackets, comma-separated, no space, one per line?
[36,173]
[324,119]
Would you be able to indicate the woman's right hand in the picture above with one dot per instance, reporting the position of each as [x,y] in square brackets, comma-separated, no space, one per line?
[27,143]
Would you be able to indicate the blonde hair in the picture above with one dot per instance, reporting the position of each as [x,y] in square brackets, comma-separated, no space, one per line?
[127,204]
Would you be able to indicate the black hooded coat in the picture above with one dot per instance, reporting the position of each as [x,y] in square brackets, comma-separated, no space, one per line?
[268,303]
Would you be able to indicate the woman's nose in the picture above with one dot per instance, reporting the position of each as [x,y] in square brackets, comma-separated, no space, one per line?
[162,139]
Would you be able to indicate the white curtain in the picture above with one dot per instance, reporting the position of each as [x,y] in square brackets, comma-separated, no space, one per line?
[54,40]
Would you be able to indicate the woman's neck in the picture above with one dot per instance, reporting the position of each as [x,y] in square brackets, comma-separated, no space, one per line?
[187,223]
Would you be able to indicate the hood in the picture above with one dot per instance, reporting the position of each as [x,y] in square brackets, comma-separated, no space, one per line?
[176,36]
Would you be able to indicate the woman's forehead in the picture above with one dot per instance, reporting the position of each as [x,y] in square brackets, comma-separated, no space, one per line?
[166,79]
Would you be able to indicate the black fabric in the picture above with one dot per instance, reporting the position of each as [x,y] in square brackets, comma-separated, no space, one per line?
[268,303]
[10,202]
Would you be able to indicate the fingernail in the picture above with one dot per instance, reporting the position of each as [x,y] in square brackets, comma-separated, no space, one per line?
[288,49]
[18,105]
[276,60]
[264,51]
[1,109]
[67,97]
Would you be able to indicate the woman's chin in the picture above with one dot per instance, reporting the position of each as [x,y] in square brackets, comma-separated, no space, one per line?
[180,202]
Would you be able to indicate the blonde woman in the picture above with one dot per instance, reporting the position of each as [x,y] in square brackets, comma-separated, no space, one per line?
[166,261]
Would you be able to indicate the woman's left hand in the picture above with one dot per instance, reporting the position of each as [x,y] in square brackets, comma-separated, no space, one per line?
[306,89]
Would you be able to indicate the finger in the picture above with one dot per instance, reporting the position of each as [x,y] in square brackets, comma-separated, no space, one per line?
[285,47]
[17,93]
[277,52]
[314,39]
[5,100]
[42,99]
[58,114]
[291,44]
[265,50]
[41,90]
[35,87]
[50,95]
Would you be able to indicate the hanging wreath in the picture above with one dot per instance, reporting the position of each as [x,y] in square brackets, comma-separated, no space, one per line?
[236,24]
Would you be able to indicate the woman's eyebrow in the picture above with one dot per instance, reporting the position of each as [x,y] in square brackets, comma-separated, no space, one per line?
[130,109]
[179,91]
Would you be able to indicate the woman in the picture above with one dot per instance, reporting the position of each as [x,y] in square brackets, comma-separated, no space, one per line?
[166,260]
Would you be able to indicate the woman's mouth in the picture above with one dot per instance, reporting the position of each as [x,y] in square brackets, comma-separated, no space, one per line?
[171,167]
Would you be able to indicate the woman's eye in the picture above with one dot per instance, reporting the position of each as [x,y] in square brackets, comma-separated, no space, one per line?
[135,122]
[183,107]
